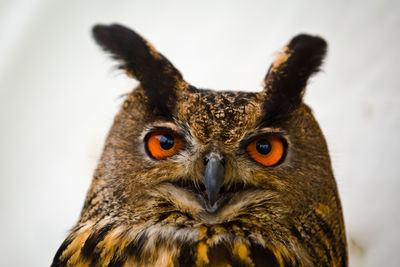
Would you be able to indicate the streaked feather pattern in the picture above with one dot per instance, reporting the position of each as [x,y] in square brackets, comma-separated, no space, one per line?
[184,210]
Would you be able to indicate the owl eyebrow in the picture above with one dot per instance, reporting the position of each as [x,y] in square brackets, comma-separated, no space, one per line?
[161,126]
[165,125]
[272,119]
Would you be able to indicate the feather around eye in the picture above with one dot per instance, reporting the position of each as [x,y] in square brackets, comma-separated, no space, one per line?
[266,150]
[161,145]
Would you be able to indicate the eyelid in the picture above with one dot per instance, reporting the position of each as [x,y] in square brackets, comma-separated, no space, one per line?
[164,130]
[265,132]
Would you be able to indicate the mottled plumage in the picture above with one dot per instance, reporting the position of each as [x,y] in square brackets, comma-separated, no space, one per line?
[141,211]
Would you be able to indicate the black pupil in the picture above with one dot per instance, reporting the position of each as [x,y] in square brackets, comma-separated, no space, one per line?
[167,141]
[263,147]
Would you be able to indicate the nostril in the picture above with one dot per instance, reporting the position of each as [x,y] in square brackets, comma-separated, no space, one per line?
[206,160]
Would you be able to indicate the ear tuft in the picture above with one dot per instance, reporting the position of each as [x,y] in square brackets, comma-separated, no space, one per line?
[288,75]
[158,77]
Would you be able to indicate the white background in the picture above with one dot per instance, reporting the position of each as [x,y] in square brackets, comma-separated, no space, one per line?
[59,94]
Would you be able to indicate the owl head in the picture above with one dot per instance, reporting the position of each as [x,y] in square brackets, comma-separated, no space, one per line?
[202,176]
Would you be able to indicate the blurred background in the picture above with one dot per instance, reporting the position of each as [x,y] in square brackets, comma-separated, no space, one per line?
[59,93]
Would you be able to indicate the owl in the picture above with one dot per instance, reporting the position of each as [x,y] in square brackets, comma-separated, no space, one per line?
[197,177]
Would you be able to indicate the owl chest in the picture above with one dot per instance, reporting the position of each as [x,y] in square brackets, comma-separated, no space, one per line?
[203,254]
[165,246]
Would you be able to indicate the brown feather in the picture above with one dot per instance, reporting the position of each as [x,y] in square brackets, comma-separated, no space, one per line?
[140,211]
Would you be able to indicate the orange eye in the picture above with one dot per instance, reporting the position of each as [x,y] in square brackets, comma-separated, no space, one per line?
[162,145]
[266,150]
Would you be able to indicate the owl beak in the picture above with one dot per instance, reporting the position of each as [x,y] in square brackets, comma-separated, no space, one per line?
[214,178]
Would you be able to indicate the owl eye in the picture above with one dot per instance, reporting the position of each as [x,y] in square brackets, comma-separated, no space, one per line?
[161,145]
[266,150]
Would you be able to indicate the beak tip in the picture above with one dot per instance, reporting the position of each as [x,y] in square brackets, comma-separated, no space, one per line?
[211,207]
[211,202]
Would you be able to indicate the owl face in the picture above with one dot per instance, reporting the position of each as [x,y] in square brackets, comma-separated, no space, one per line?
[217,155]
[200,177]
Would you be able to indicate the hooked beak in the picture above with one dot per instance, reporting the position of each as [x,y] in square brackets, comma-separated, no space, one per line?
[214,178]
